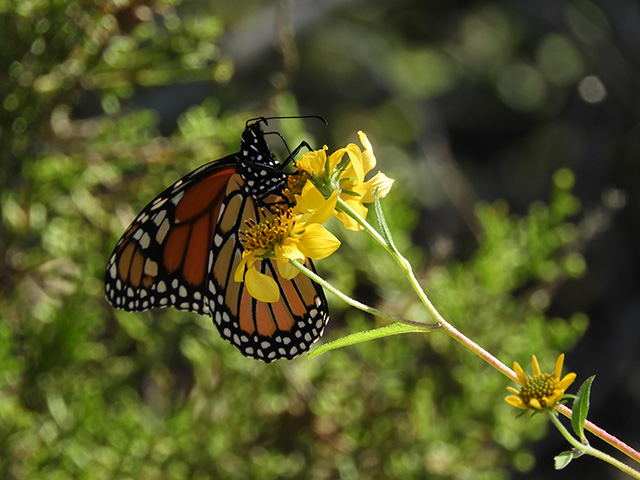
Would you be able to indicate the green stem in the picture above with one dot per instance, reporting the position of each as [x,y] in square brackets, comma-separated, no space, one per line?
[588,449]
[406,268]
[471,345]
[603,434]
[354,303]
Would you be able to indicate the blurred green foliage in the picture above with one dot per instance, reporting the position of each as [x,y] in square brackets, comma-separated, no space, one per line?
[88,392]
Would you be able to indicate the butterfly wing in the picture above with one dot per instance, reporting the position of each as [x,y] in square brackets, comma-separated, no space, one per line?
[266,331]
[183,248]
[162,260]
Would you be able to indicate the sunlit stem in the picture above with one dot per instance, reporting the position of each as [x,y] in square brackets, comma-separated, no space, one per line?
[588,449]
[603,434]
[478,350]
[406,268]
[354,303]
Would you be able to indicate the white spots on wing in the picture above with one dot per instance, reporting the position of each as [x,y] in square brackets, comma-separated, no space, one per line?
[177,197]
[159,217]
[145,240]
[158,202]
[161,233]
[150,267]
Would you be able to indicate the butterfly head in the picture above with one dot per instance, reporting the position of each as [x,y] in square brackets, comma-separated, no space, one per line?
[259,168]
[254,147]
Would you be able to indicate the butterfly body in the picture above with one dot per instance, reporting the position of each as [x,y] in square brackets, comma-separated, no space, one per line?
[182,251]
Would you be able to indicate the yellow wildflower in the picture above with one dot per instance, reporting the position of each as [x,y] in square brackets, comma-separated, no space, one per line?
[283,235]
[348,177]
[542,390]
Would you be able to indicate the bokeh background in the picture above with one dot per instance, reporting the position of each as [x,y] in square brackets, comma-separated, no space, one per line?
[512,129]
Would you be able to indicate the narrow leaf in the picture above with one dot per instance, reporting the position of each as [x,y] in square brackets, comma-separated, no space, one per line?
[581,408]
[382,222]
[562,460]
[360,337]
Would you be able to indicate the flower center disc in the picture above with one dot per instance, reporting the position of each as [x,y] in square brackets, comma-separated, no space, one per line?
[270,231]
[539,387]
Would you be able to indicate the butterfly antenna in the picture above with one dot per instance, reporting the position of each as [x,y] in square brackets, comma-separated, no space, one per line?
[265,120]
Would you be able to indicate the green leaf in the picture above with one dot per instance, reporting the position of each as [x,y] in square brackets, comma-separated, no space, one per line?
[562,460]
[581,408]
[359,337]
[382,222]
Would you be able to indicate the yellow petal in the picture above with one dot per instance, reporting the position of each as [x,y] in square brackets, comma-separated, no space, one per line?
[553,399]
[309,200]
[313,162]
[324,212]
[379,181]
[558,370]
[335,158]
[348,222]
[515,401]
[535,403]
[355,168]
[522,378]
[317,242]
[261,287]
[238,276]
[368,158]
[514,390]
[288,249]
[536,366]
[567,380]
[287,270]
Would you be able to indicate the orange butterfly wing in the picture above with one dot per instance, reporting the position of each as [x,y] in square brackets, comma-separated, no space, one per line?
[267,331]
[162,259]
[183,248]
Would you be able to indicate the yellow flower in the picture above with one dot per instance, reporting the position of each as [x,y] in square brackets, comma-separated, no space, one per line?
[348,177]
[295,183]
[285,234]
[542,390]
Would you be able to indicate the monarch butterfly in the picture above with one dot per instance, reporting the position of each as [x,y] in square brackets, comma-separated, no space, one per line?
[182,251]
